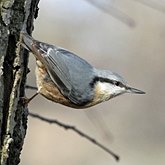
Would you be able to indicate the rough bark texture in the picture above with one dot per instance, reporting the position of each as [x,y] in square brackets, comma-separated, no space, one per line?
[13,69]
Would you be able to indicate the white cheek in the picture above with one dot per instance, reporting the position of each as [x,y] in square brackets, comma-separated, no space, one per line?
[111,89]
[116,90]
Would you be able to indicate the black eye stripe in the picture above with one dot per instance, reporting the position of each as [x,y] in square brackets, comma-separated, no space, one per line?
[101,79]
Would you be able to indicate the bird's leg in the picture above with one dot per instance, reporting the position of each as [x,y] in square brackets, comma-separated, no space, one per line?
[26,100]
[31,87]
[31,98]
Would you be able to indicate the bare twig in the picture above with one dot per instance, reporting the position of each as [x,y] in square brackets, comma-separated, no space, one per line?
[73,128]
[108,7]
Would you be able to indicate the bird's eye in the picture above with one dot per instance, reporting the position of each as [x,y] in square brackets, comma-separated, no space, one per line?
[117,83]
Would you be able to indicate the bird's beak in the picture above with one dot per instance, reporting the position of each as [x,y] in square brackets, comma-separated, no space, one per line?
[134,90]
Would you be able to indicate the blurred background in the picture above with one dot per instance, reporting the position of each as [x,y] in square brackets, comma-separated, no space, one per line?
[131,42]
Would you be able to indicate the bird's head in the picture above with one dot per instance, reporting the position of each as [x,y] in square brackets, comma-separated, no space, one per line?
[108,84]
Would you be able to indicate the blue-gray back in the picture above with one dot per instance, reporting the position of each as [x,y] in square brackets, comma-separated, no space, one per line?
[71,74]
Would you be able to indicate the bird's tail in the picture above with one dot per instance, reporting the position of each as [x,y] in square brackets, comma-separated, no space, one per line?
[26,41]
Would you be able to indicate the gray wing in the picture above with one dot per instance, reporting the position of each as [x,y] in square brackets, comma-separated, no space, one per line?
[71,74]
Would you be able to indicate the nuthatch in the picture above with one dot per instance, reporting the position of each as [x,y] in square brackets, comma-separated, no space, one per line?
[65,78]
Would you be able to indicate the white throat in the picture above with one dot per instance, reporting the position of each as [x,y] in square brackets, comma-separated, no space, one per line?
[105,91]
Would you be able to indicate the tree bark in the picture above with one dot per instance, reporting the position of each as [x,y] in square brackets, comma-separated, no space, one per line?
[13,69]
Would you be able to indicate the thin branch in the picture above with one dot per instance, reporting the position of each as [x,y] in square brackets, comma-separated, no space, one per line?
[107,7]
[73,128]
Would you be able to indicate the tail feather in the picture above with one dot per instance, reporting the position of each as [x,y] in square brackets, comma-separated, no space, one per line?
[27,41]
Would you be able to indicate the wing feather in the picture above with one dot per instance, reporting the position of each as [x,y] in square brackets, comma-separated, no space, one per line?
[71,74]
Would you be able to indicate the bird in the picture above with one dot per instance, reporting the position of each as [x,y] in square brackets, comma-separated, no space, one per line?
[64,77]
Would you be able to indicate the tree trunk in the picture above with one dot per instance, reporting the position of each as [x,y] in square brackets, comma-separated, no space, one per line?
[13,69]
